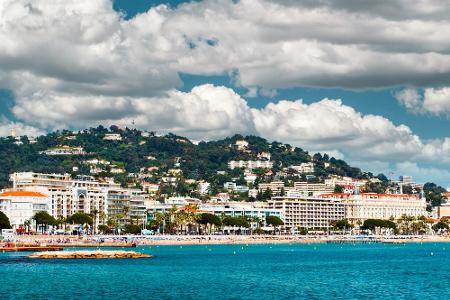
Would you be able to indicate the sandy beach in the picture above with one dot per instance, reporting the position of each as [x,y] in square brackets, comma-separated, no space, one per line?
[156,240]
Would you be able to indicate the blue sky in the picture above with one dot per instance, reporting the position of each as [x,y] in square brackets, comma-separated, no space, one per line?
[374,79]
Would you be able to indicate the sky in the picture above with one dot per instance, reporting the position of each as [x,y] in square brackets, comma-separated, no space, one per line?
[366,81]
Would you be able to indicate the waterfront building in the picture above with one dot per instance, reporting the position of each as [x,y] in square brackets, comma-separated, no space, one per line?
[308,212]
[85,194]
[138,206]
[20,206]
[379,206]
[253,211]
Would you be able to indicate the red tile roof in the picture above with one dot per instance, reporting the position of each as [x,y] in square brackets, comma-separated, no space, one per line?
[21,194]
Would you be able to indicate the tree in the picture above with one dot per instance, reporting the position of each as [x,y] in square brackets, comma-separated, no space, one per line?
[338,188]
[206,219]
[80,218]
[132,229]
[341,224]
[158,219]
[104,229]
[43,218]
[4,221]
[371,224]
[274,221]
[442,225]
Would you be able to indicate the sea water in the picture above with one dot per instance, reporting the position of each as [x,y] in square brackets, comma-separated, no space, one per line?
[314,271]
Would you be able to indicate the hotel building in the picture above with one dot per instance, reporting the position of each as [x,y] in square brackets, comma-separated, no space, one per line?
[379,206]
[21,206]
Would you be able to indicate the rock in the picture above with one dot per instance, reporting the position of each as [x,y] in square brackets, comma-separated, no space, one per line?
[89,254]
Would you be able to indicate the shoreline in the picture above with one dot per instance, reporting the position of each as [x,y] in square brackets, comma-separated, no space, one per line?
[170,240]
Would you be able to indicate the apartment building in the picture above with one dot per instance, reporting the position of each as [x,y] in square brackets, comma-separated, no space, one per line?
[84,194]
[311,189]
[274,186]
[308,212]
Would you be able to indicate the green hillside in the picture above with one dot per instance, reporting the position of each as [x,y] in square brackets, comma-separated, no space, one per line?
[197,161]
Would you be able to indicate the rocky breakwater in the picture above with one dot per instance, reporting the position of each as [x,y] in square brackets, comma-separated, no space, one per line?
[89,254]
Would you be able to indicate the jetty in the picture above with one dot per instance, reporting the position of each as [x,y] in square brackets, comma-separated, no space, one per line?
[30,248]
[86,254]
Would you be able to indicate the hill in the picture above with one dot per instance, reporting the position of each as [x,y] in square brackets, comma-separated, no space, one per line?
[123,153]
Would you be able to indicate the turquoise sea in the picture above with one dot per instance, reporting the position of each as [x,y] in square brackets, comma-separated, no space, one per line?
[316,271]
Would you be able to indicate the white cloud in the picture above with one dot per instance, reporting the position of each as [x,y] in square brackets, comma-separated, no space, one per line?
[86,47]
[435,101]
[422,174]
[7,127]
[410,99]
[330,125]
[206,112]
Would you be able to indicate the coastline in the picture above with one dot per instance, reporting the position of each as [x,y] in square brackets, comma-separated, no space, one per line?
[171,240]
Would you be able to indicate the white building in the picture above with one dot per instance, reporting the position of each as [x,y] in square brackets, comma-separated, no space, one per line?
[112,137]
[275,187]
[21,206]
[311,189]
[203,187]
[303,168]
[308,212]
[250,164]
[380,206]
[64,150]
[255,211]
[241,144]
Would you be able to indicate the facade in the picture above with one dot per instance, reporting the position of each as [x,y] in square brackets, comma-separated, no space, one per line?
[308,212]
[64,150]
[20,206]
[255,211]
[275,187]
[105,199]
[311,189]
[303,168]
[380,206]
[250,164]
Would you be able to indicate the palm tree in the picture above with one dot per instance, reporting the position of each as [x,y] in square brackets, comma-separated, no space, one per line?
[405,223]
[95,213]
[27,224]
[190,211]
[125,211]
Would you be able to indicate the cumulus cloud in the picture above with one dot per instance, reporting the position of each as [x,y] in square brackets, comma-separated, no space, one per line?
[268,44]
[205,112]
[435,101]
[330,125]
